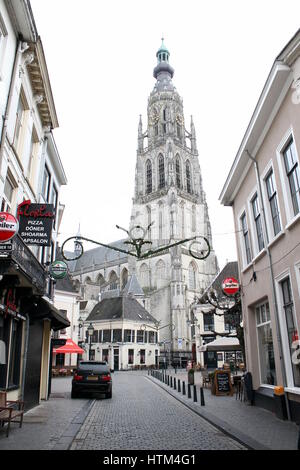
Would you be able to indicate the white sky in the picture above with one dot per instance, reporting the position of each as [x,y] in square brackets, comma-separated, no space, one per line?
[100,56]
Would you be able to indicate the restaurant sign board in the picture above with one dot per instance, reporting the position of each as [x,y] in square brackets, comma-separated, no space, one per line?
[230,286]
[36,222]
[9,226]
[222,383]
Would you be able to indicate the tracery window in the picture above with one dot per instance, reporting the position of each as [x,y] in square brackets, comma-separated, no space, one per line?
[161,172]
[188,177]
[148,177]
[177,168]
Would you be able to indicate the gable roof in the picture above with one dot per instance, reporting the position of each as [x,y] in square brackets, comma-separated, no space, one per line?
[126,308]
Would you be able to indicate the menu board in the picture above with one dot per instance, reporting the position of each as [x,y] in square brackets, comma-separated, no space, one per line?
[222,383]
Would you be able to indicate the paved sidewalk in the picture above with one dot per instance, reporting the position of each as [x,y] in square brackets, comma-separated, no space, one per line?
[52,425]
[253,426]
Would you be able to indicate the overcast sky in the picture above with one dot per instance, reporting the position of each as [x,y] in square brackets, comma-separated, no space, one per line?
[100,56]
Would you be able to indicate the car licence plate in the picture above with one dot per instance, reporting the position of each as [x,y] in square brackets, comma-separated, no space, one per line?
[93,378]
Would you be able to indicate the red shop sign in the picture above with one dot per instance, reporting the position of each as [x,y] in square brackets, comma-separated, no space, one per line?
[9,226]
[230,286]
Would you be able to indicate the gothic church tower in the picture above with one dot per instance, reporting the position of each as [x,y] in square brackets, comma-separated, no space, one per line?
[170,196]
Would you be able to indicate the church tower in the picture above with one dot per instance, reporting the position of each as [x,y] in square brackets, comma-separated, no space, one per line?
[169,199]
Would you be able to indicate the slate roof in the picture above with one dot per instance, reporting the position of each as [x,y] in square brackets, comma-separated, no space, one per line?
[133,287]
[117,308]
[97,256]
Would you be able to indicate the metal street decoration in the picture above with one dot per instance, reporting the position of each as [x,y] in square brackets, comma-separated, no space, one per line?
[199,248]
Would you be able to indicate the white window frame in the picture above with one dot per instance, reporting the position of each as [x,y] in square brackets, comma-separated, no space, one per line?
[3,44]
[290,217]
[269,221]
[268,322]
[254,247]
[241,238]
[283,327]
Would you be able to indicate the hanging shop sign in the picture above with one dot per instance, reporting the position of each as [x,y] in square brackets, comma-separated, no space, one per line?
[230,286]
[9,227]
[35,223]
[58,269]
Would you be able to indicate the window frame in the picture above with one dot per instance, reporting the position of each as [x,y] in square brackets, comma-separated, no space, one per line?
[245,250]
[270,198]
[261,324]
[289,136]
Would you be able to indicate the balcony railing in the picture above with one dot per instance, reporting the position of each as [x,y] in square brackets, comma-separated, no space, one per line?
[28,263]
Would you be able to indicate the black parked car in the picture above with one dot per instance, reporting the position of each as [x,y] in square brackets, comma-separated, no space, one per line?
[92,376]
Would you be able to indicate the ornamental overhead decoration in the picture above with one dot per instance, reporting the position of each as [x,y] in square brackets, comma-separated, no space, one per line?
[199,247]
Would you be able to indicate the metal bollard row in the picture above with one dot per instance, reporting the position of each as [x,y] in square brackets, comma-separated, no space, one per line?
[176,385]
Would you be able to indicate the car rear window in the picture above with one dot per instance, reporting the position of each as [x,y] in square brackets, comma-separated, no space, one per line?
[93,366]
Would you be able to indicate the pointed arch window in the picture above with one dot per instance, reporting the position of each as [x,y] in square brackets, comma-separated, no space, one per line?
[149,221]
[192,277]
[188,177]
[161,172]
[148,177]
[178,176]
[193,219]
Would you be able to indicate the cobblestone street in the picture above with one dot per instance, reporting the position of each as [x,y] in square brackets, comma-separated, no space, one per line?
[143,416]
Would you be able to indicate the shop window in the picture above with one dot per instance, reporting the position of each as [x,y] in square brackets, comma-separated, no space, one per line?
[130,356]
[142,356]
[4,347]
[291,329]
[105,353]
[265,345]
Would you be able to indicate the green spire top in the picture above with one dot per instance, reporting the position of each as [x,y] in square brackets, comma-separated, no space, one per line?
[162,53]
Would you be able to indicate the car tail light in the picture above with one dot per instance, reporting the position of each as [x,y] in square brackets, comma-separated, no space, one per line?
[106,378]
[78,377]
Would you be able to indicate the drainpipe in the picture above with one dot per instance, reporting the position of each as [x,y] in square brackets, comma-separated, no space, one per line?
[279,337]
[21,47]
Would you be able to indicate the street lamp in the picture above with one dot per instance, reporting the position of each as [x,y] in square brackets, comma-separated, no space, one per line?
[90,331]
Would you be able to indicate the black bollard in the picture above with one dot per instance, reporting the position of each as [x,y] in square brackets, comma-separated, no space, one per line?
[168,379]
[195,393]
[174,383]
[171,383]
[189,391]
[179,387]
[183,388]
[202,396]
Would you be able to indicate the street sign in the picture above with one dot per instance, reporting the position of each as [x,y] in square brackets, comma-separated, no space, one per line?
[230,286]
[9,226]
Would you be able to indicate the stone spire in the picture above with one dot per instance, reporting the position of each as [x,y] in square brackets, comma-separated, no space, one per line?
[140,135]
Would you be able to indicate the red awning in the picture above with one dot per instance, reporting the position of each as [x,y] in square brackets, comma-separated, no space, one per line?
[69,348]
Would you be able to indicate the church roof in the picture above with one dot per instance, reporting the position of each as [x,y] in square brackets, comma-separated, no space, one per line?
[126,308]
[133,287]
[98,256]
